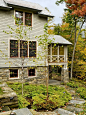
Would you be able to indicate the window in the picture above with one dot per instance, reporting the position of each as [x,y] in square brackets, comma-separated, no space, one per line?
[13,48]
[31,72]
[23,18]
[28,19]
[19,17]
[32,49]
[23,48]
[61,50]
[54,49]
[13,73]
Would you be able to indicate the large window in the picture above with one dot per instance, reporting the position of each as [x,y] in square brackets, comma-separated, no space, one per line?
[22,49]
[23,18]
[13,48]
[13,73]
[31,72]
[32,49]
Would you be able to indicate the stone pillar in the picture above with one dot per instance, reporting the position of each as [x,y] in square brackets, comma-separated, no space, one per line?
[65,75]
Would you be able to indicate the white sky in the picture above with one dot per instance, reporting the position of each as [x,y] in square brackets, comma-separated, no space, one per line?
[55,10]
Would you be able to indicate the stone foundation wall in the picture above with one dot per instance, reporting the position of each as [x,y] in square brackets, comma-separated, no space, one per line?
[40,78]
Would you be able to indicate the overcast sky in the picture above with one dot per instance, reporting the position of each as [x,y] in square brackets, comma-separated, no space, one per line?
[57,11]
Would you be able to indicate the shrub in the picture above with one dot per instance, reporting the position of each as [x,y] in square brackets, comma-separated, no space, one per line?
[22,102]
[73,84]
[82,92]
[36,96]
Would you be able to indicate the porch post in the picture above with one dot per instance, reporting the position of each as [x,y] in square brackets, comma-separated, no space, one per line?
[65,74]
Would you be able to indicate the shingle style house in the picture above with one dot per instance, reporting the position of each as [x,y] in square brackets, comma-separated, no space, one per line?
[11,49]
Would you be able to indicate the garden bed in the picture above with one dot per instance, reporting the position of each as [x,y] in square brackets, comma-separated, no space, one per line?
[35,96]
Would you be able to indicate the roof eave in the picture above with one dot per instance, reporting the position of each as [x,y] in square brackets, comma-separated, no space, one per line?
[63,43]
[22,7]
[5,8]
[44,15]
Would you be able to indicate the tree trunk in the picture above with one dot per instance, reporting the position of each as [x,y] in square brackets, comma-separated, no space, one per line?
[75,42]
[22,73]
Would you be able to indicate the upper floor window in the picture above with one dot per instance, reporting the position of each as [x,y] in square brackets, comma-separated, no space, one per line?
[23,18]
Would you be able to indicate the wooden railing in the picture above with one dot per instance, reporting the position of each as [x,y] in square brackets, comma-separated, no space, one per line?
[56,58]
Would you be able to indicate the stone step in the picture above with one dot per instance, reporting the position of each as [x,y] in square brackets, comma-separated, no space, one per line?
[64,112]
[77,101]
[73,109]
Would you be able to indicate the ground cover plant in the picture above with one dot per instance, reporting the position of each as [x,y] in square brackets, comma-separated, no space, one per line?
[35,96]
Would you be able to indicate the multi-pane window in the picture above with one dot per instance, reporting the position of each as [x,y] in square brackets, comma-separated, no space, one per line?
[23,48]
[13,73]
[13,48]
[23,18]
[28,19]
[55,49]
[19,17]
[31,72]
[32,49]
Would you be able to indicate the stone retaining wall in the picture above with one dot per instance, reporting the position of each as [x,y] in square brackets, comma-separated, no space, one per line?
[9,97]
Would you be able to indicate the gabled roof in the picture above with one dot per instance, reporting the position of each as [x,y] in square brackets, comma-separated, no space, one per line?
[58,39]
[3,5]
[26,5]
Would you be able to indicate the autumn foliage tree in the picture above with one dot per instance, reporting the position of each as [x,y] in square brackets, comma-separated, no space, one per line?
[76,13]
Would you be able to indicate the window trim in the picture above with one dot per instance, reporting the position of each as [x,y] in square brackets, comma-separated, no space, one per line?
[17,73]
[23,17]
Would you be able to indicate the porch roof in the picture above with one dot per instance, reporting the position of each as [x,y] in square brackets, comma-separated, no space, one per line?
[59,39]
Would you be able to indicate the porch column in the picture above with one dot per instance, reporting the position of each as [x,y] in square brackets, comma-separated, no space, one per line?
[65,74]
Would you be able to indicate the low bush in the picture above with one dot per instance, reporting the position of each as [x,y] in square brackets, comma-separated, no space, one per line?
[73,84]
[22,102]
[36,96]
[82,92]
